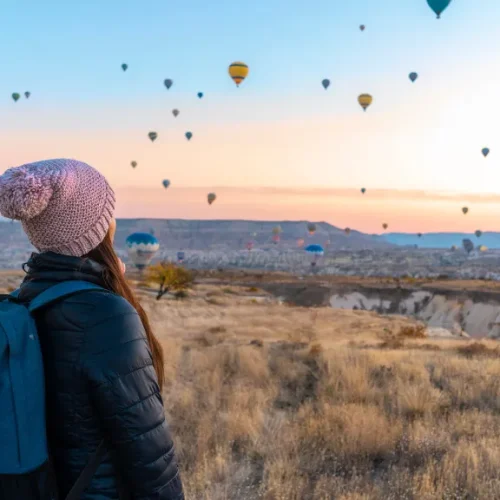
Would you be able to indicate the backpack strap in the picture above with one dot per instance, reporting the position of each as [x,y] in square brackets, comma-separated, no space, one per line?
[59,291]
[87,473]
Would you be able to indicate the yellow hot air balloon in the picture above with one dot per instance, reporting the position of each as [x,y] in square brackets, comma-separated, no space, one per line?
[365,100]
[238,71]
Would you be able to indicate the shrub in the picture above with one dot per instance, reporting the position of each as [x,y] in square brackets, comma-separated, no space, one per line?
[413,332]
[169,277]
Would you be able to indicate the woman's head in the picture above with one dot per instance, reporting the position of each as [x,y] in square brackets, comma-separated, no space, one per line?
[65,206]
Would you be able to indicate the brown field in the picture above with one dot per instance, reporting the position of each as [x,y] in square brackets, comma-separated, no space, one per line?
[277,402]
[269,401]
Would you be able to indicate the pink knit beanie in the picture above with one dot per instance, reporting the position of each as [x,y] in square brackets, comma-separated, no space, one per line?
[65,206]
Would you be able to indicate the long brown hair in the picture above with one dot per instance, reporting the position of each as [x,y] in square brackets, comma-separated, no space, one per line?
[114,279]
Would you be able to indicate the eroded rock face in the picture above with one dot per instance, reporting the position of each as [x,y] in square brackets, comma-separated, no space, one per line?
[458,316]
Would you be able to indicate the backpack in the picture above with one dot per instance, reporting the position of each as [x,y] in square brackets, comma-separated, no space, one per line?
[23,438]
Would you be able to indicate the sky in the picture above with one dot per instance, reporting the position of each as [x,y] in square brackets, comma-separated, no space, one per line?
[280,146]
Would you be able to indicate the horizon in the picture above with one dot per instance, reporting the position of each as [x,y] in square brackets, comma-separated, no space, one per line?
[280,130]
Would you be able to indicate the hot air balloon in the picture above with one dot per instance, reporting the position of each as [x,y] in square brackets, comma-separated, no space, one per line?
[365,100]
[325,83]
[486,152]
[15,96]
[141,248]
[276,238]
[465,210]
[200,95]
[438,6]
[175,112]
[238,71]
[133,163]
[482,248]
[316,251]
[468,245]
[277,230]
[124,67]
[454,248]
[347,231]
[168,83]
[385,225]
[166,183]
[300,242]
[413,76]
[152,136]
[362,27]
[419,235]
[363,190]
[188,135]
[478,233]
[27,95]
[311,227]
[181,256]
[249,246]
[211,197]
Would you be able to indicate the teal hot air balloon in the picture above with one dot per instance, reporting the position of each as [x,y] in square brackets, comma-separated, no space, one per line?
[363,190]
[124,67]
[413,76]
[438,6]
[153,136]
[200,95]
[141,248]
[325,83]
[188,135]
[27,95]
[16,96]
[166,183]
[486,152]
[168,83]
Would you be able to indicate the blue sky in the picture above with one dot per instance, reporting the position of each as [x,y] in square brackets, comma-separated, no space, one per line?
[422,136]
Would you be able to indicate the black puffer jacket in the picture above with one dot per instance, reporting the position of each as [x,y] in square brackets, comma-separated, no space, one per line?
[100,384]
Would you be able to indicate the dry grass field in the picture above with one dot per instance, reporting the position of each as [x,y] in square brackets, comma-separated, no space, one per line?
[275,402]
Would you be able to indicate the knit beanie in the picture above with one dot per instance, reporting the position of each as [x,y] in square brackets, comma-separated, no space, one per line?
[65,206]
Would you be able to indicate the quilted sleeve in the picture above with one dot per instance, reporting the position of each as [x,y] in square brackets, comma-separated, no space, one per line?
[124,390]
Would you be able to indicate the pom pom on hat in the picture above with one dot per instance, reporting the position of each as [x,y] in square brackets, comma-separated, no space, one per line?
[24,192]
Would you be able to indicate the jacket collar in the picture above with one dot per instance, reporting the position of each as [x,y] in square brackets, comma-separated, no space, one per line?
[48,268]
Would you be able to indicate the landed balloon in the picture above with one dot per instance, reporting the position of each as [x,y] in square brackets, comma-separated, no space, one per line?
[175,112]
[478,233]
[465,210]
[211,197]
[413,76]
[16,96]
[365,101]
[325,83]
[153,136]
[168,83]
[238,71]
[27,95]
[141,248]
[200,95]
[166,183]
[188,135]
[124,67]
[438,6]
[485,151]
[311,227]
[133,163]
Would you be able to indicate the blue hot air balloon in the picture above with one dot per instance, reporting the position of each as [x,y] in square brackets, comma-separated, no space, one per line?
[316,251]
[141,248]
[181,256]
[413,76]
[200,95]
[486,152]
[166,183]
[438,6]
[189,135]
[325,83]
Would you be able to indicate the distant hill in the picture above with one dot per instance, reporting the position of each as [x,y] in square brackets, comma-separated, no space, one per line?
[442,240]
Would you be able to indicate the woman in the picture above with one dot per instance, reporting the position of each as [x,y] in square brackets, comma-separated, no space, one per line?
[103,365]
